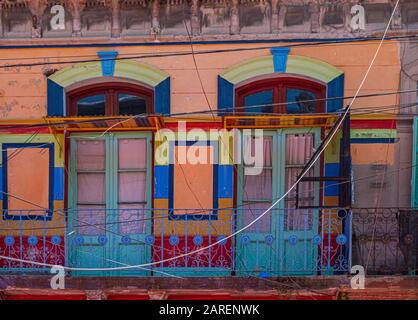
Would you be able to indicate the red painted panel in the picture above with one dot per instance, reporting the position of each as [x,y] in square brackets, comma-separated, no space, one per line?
[43,251]
[218,256]
[33,296]
[27,130]
[127,296]
[199,296]
[373,124]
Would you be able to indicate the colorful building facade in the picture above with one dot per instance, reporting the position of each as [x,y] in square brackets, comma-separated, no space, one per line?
[95,117]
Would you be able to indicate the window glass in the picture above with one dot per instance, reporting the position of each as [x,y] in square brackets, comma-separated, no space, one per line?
[91,198]
[297,101]
[299,149]
[90,154]
[132,153]
[257,193]
[259,102]
[132,185]
[131,105]
[92,106]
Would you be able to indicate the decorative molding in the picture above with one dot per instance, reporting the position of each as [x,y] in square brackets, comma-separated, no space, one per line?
[280,62]
[122,69]
[76,7]
[213,17]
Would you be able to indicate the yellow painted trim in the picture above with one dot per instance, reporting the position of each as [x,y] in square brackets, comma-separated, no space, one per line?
[139,71]
[129,69]
[312,68]
[249,69]
[77,72]
[57,140]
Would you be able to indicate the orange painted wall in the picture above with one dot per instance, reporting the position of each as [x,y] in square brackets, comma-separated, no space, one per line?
[23,89]
[30,165]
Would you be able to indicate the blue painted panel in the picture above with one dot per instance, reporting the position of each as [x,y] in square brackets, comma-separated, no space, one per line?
[225,181]
[280,58]
[162,97]
[58,183]
[331,187]
[372,140]
[1,183]
[335,89]
[206,216]
[108,62]
[55,96]
[161,179]
[225,96]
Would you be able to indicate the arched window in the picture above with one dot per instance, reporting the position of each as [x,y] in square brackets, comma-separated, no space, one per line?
[285,95]
[110,99]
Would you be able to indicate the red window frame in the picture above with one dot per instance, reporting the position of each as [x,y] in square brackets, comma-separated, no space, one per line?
[279,86]
[111,91]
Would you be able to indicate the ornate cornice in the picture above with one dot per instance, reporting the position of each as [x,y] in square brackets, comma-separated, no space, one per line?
[314,21]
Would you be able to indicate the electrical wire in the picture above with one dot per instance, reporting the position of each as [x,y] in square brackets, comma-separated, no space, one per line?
[173,115]
[175,54]
[316,157]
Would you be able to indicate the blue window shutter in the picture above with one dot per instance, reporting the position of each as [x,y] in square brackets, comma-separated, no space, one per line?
[335,89]
[162,97]
[55,98]
[1,183]
[225,96]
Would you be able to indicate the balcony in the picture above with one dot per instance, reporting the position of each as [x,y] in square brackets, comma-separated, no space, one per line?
[169,242]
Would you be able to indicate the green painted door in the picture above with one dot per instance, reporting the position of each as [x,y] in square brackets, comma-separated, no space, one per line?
[281,242]
[109,202]
[414,182]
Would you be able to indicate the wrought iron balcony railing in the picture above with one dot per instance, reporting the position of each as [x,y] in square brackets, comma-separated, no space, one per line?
[283,242]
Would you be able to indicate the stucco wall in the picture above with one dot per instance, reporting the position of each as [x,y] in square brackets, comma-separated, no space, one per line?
[23,89]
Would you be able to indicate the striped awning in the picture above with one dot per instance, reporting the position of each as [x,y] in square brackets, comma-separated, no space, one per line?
[279,121]
[117,123]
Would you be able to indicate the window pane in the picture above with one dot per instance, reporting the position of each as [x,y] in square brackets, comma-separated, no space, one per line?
[251,211]
[132,219]
[260,102]
[91,220]
[131,105]
[92,106]
[90,188]
[132,186]
[299,149]
[258,187]
[90,155]
[295,104]
[132,153]
[250,150]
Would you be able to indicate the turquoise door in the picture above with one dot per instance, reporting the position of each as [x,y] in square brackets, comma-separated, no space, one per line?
[281,242]
[109,202]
